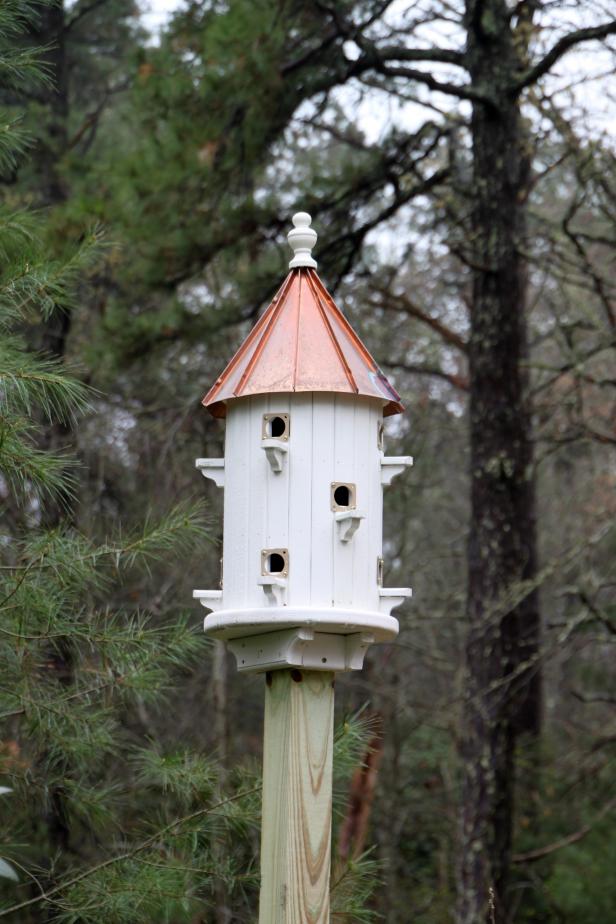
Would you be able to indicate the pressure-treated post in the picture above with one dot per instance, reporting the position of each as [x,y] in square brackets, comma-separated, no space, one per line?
[297,797]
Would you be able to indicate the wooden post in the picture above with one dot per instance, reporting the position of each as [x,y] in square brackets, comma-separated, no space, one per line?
[297,797]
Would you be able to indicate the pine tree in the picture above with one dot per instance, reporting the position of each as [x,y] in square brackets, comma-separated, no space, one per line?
[70,757]
[69,753]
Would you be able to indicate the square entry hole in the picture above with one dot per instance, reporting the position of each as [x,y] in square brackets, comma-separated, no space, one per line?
[343,495]
[276,427]
[275,561]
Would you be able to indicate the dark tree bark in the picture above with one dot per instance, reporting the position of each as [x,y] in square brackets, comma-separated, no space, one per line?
[503,691]
[50,34]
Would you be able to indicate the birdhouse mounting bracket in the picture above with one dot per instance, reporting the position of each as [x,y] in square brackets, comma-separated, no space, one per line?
[301,647]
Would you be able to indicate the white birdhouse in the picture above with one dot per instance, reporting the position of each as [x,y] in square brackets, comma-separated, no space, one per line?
[303,476]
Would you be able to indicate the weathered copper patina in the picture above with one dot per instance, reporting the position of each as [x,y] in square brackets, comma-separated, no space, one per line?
[302,342]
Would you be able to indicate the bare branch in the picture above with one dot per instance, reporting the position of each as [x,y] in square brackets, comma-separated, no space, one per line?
[461,91]
[92,119]
[401,302]
[565,841]
[438,55]
[598,283]
[598,698]
[562,46]
[83,11]
[328,39]
[456,381]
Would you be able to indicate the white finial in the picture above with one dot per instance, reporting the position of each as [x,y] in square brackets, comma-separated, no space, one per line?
[301,240]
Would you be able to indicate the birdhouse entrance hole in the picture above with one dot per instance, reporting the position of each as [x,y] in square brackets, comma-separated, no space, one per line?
[275,561]
[343,495]
[276,426]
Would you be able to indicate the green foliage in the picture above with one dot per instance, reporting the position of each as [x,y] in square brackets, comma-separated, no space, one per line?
[352,889]
[21,68]
[32,288]
[185,776]
[581,886]
[73,671]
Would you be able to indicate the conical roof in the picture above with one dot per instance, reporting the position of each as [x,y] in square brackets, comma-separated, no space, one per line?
[302,343]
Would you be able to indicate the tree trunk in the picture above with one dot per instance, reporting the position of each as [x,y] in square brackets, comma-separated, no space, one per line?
[503,696]
[49,34]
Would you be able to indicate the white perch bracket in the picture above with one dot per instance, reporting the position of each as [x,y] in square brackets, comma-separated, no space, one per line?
[392,466]
[274,588]
[214,469]
[301,647]
[391,597]
[275,450]
[348,523]
[210,599]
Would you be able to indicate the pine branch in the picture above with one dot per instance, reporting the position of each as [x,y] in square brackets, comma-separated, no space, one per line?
[29,383]
[16,64]
[140,649]
[29,469]
[14,141]
[128,854]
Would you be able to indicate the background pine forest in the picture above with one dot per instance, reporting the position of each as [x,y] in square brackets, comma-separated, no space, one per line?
[458,162]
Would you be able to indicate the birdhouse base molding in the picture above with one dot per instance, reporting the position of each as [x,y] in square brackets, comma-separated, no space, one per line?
[301,647]
[232,624]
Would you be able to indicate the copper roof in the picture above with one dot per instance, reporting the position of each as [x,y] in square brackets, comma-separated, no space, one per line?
[302,342]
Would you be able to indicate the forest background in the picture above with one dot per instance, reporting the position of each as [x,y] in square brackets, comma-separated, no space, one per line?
[457,159]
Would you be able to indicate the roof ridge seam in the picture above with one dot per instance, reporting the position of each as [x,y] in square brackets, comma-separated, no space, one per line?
[246,344]
[299,314]
[357,342]
[263,341]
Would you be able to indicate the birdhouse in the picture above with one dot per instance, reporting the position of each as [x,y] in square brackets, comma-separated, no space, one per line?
[303,477]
